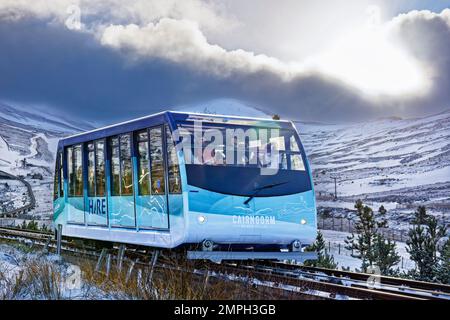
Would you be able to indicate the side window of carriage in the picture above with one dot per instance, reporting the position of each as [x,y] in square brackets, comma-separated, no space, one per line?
[143,162]
[157,165]
[61,174]
[74,158]
[56,177]
[121,165]
[96,168]
[151,162]
[172,164]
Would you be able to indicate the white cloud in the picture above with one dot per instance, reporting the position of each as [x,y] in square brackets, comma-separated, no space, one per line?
[209,15]
[182,41]
[176,31]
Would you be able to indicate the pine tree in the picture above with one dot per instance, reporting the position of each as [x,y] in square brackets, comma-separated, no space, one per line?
[443,272]
[324,259]
[385,254]
[370,246]
[382,221]
[362,243]
[420,216]
[422,244]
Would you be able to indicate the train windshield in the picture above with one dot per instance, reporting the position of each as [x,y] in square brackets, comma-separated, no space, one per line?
[240,158]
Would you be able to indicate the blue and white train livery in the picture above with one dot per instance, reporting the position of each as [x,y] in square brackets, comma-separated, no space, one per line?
[175,180]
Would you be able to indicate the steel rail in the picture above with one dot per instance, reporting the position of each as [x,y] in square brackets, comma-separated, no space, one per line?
[436,288]
[46,240]
[279,274]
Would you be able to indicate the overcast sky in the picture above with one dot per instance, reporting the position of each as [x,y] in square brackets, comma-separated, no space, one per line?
[113,60]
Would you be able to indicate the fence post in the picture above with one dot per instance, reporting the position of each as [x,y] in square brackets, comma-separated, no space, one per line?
[329,246]
[339,250]
[58,240]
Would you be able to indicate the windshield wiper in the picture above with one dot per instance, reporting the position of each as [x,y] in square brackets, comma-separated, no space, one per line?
[257,190]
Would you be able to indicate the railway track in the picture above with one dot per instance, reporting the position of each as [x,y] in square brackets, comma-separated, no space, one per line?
[141,259]
[26,207]
[380,287]
[285,280]
[436,288]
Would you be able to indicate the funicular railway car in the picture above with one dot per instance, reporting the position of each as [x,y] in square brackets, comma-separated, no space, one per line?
[132,183]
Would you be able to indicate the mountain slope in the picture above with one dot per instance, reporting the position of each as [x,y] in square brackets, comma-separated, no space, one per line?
[230,107]
[400,163]
[381,155]
[28,141]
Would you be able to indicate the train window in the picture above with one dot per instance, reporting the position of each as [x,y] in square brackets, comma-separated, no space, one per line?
[173,167]
[91,169]
[157,161]
[75,166]
[297,162]
[100,168]
[96,168]
[125,165]
[61,175]
[115,166]
[143,162]
[122,175]
[294,144]
[70,170]
[78,170]
[283,161]
[56,179]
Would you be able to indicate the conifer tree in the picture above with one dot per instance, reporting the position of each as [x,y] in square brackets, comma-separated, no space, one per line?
[324,259]
[385,254]
[368,245]
[422,245]
[443,273]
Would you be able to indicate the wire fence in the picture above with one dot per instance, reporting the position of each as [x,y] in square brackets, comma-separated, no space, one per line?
[348,225]
[6,222]
[339,249]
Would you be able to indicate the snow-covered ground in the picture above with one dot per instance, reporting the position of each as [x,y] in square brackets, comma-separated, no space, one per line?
[335,241]
[37,276]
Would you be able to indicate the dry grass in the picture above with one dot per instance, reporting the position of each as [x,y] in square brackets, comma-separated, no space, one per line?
[35,279]
[177,280]
[36,276]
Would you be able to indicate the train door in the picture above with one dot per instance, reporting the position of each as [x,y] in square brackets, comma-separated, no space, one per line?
[151,199]
[121,201]
[95,207]
[58,186]
[75,198]
[173,178]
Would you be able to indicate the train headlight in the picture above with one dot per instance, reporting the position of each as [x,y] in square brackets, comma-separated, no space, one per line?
[201,219]
[303,221]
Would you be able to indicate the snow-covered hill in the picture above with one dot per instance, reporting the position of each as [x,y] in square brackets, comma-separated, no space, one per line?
[230,107]
[28,141]
[400,163]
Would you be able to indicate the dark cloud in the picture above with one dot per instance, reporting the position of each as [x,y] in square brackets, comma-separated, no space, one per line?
[427,37]
[71,72]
